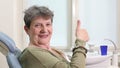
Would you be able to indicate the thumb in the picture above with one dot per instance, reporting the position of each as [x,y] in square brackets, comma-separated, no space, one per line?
[78,24]
[77,27]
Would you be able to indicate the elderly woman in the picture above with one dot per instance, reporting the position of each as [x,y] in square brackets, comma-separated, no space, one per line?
[39,54]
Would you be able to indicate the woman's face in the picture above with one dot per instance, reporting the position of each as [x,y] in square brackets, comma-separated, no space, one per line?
[40,31]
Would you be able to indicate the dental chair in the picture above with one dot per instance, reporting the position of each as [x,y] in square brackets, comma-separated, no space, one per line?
[9,49]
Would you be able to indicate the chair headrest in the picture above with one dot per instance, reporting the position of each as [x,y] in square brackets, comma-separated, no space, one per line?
[8,42]
[13,61]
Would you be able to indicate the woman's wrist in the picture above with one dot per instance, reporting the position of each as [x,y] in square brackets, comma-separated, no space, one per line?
[81,49]
[80,42]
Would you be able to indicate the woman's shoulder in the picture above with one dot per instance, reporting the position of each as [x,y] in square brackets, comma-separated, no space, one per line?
[34,49]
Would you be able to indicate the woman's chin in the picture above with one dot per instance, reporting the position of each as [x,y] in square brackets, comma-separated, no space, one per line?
[43,42]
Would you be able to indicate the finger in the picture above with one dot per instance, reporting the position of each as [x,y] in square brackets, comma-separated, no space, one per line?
[77,27]
[78,23]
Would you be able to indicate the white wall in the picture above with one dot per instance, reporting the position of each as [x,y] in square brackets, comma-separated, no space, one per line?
[6,17]
[11,22]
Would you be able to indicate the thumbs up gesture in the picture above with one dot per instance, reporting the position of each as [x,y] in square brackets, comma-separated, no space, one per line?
[81,33]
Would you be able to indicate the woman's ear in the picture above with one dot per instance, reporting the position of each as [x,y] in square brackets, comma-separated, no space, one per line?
[26,29]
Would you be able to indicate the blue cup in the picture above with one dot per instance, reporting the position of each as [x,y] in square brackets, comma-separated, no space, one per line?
[103,49]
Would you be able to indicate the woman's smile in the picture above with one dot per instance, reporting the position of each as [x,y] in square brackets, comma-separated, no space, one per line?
[43,36]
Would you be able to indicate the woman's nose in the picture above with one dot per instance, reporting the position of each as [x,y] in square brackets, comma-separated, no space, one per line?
[44,29]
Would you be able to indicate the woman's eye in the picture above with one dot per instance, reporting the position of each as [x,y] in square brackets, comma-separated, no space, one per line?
[37,25]
[48,24]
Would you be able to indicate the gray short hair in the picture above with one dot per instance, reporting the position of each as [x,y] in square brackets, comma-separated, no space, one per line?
[37,11]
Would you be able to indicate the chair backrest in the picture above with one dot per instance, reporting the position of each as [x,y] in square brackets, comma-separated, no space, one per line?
[9,49]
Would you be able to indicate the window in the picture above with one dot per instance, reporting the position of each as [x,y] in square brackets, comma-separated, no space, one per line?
[99,17]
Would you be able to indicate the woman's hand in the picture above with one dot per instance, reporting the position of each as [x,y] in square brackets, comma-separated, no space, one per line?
[81,33]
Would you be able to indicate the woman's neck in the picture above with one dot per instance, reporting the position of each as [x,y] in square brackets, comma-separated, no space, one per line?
[43,46]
